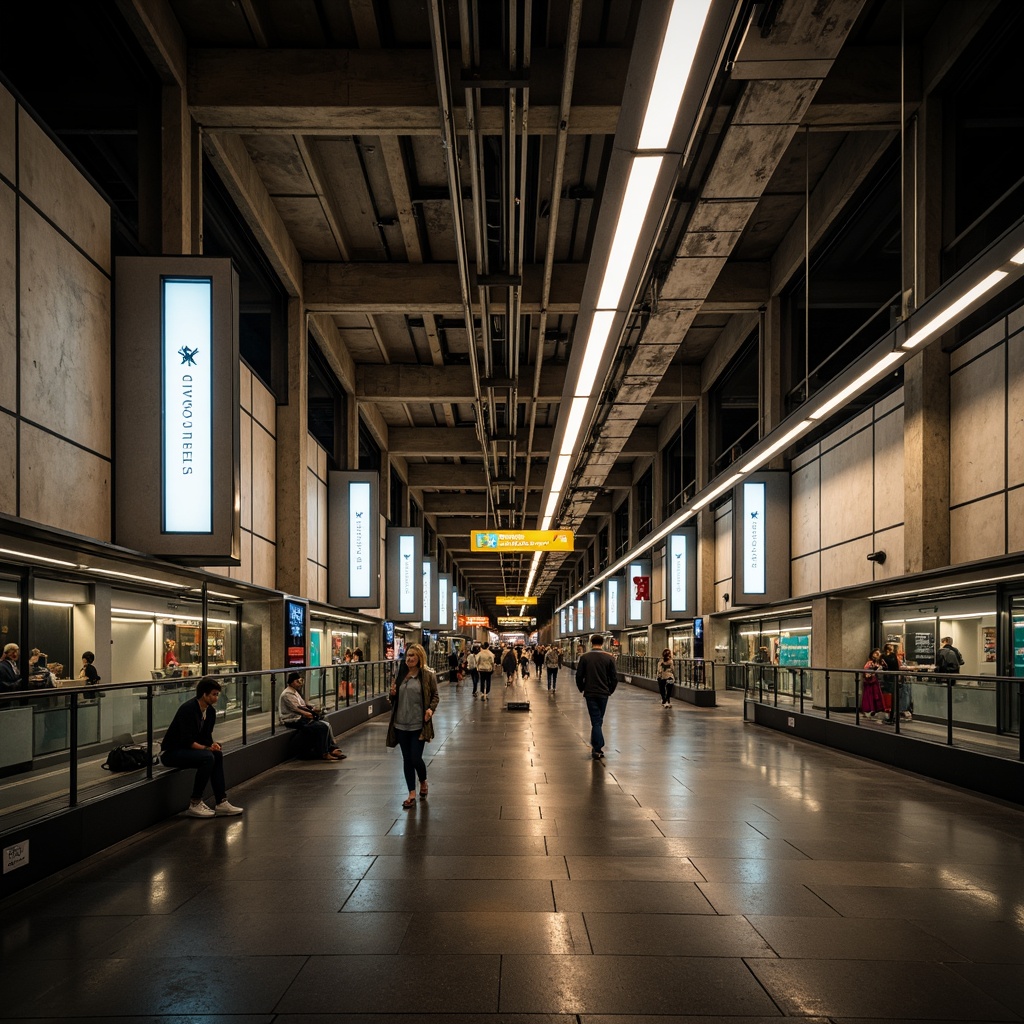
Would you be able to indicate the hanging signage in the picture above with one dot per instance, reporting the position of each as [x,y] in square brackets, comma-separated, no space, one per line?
[761,538]
[516,620]
[580,624]
[521,540]
[614,603]
[444,601]
[638,607]
[353,579]
[572,619]
[404,565]
[592,610]
[455,605]
[515,600]
[177,420]
[429,618]
[681,573]
[561,623]
[474,621]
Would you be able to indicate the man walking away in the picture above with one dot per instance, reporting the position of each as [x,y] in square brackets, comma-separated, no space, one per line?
[596,679]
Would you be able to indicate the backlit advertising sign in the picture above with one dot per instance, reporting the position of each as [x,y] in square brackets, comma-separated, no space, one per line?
[592,610]
[572,619]
[353,540]
[761,538]
[295,632]
[681,573]
[444,604]
[614,603]
[638,582]
[187,363]
[561,623]
[429,617]
[404,573]
[754,527]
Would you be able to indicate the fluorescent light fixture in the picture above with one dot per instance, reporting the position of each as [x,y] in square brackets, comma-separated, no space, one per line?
[561,468]
[133,576]
[33,601]
[943,318]
[861,382]
[597,342]
[711,495]
[545,523]
[553,499]
[637,198]
[783,442]
[573,425]
[675,61]
[1018,258]
[38,558]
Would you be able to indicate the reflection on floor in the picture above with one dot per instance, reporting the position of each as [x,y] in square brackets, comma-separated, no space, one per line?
[706,869]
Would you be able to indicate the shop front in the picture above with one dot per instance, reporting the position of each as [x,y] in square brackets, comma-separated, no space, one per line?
[770,649]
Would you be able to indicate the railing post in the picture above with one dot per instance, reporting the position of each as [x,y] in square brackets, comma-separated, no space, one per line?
[245,710]
[73,741]
[149,730]
[273,705]
[801,691]
[1020,731]
[949,712]
[828,695]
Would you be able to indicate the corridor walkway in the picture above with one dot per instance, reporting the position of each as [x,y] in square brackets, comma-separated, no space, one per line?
[708,870]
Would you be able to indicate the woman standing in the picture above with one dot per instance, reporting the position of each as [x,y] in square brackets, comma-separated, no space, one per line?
[871,702]
[666,677]
[485,666]
[413,702]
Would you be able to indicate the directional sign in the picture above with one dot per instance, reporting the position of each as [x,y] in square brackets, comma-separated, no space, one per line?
[515,600]
[474,620]
[515,620]
[521,540]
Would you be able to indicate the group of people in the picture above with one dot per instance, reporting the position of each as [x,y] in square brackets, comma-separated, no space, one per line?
[41,673]
[480,662]
[882,678]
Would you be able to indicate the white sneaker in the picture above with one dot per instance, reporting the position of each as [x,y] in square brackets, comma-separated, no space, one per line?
[226,810]
[200,810]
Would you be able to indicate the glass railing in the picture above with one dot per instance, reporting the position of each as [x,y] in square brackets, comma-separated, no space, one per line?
[975,712]
[53,742]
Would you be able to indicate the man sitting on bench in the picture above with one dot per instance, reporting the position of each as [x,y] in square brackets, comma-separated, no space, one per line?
[297,714]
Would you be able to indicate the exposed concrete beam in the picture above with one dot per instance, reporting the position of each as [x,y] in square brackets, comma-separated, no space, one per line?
[400,383]
[158,32]
[433,477]
[416,289]
[454,441]
[380,92]
[445,504]
[231,160]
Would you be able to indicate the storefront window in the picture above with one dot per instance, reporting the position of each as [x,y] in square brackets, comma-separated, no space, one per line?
[680,642]
[918,631]
[639,644]
[782,641]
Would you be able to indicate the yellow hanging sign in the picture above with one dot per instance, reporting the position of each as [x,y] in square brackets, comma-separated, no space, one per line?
[515,600]
[521,540]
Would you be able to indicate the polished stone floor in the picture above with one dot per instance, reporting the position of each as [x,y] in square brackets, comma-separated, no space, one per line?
[706,870]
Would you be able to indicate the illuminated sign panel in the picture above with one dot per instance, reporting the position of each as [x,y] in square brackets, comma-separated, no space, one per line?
[515,600]
[638,582]
[353,540]
[515,620]
[475,621]
[444,582]
[754,527]
[681,573]
[614,603]
[176,409]
[455,605]
[580,624]
[572,618]
[592,607]
[561,623]
[521,540]
[404,573]
[187,405]
[429,619]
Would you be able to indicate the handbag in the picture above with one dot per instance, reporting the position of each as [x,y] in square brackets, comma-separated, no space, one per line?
[129,757]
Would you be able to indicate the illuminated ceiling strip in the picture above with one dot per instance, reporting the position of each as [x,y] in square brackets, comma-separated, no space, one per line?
[943,318]
[38,558]
[573,425]
[856,385]
[783,442]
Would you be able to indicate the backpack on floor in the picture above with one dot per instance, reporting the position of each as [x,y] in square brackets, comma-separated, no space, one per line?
[128,758]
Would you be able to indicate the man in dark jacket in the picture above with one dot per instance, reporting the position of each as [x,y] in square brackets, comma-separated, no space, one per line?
[189,743]
[10,669]
[948,659]
[596,679]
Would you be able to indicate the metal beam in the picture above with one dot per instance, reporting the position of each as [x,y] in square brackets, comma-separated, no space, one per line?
[400,383]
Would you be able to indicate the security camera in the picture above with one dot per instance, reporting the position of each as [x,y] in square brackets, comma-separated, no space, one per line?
[877,556]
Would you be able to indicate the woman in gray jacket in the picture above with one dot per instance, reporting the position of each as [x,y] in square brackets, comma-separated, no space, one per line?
[414,699]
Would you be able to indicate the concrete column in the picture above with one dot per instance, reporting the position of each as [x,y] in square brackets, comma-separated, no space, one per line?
[840,638]
[292,433]
[181,174]
[352,434]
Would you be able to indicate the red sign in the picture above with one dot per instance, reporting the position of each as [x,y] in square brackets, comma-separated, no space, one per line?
[474,620]
[643,587]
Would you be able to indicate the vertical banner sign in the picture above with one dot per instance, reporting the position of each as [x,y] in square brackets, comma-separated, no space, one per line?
[638,580]
[444,582]
[455,607]
[176,409]
[572,619]
[592,599]
[761,538]
[187,405]
[404,573]
[561,623]
[429,617]
[353,531]
[614,604]
[754,538]
[580,624]
[681,573]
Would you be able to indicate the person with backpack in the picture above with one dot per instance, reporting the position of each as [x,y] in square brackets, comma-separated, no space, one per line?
[948,659]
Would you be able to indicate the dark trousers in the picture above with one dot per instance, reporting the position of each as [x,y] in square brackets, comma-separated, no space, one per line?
[596,706]
[412,756]
[552,677]
[485,682]
[665,689]
[476,678]
[315,734]
[209,766]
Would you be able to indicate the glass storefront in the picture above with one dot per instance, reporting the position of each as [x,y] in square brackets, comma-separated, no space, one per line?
[783,640]
[680,642]
[917,629]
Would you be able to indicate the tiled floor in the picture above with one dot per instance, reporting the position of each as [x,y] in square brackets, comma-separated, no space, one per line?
[708,870]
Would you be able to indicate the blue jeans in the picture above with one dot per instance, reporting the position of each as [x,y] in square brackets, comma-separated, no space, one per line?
[412,756]
[209,766]
[596,706]
[552,678]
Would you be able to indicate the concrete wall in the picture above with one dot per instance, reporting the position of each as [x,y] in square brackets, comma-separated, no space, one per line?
[316,517]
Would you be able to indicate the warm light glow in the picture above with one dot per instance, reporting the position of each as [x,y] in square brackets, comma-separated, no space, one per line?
[573,425]
[545,523]
[861,382]
[597,342]
[716,492]
[132,576]
[943,318]
[561,468]
[637,198]
[554,498]
[675,61]
[782,442]
[1018,258]
[37,558]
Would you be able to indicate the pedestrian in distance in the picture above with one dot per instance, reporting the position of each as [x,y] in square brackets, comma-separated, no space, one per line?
[510,665]
[666,677]
[596,679]
[552,662]
[485,666]
[414,700]
[871,702]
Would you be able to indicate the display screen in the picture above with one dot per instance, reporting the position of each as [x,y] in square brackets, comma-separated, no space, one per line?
[677,568]
[753,538]
[187,362]
[593,610]
[442,601]
[428,569]
[613,604]
[636,610]
[407,574]
[359,537]
[295,632]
